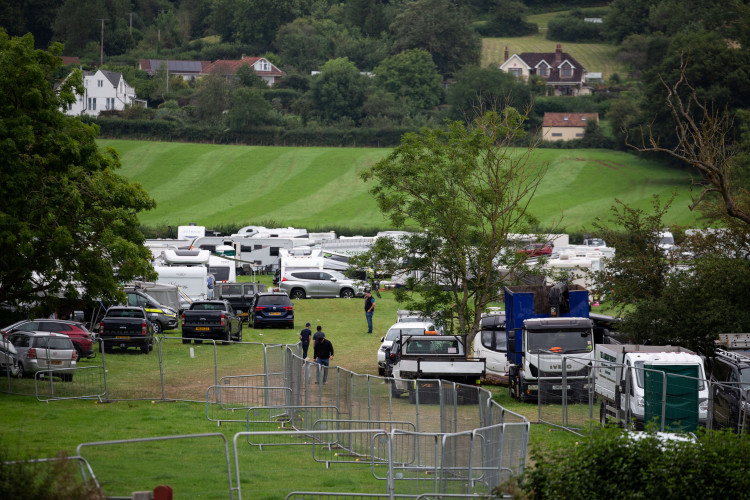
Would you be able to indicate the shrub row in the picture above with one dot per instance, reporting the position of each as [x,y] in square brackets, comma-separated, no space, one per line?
[161,130]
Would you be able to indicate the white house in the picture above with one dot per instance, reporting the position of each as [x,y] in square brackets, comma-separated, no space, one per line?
[562,74]
[103,90]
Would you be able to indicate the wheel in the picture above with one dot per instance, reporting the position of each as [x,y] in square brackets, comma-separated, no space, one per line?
[239,334]
[297,294]
[145,349]
[157,327]
[197,342]
[381,372]
[227,338]
[185,341]
[291,326]
[347,293]
[79,352]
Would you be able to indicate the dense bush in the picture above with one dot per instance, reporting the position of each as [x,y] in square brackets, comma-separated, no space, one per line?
[569,28]
[611,464]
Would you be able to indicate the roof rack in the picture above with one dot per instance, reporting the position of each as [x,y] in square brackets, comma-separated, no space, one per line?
[740,358]
[733,340]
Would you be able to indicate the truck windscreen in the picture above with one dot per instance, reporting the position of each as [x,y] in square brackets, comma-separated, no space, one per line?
[640,374]
[560,341]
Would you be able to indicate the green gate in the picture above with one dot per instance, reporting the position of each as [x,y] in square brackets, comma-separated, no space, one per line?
[683,384]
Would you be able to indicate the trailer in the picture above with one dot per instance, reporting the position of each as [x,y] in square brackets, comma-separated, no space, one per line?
[545,325]
[630,379]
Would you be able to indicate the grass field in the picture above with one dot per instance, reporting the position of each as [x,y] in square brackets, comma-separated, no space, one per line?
[195,468]
[317,188]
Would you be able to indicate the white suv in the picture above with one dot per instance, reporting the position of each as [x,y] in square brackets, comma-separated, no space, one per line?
[407,326]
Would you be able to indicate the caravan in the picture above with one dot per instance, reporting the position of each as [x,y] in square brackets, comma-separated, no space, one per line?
[191,280]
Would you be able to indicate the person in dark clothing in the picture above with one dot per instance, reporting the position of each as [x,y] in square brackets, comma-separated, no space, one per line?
[318,335]
[369,309]
[323,352]
[304,338]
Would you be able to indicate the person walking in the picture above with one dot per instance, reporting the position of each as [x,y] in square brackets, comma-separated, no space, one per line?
[323,352]
[369,308]
[317,336]
[304,338]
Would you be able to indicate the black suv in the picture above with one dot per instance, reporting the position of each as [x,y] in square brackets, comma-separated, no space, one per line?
[730,378]
[272,308]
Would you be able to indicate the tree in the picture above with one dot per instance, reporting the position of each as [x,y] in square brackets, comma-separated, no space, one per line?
[247,77]
[67,218]
[412,78]
[442,29]
[339,90]
[249,109]
[508,19]
[211,98]
[705,143]
[466,190]
[485,88]
[252,22]
[304,44]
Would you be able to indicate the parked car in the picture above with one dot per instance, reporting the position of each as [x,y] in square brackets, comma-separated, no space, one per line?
[8,358]
[536,249]
[83,339]
[271,309]
[730,377]
[39,351]
[302,283]
[211,319]
[402,327]
[125,326]
[163,317]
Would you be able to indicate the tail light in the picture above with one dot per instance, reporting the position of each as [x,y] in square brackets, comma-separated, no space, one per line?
[31,353]
[284,279]
[288,308]
[144,329]
[101,327]
[183,318]
[260,308]
[223,319]
[75,355]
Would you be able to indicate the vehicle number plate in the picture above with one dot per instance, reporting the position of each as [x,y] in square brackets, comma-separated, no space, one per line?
[56,362]
[121,337]
[559,387]
[275,314]
[202,328]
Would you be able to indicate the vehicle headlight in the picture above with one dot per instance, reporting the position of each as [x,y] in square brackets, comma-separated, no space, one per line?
[703,405]
[641,402]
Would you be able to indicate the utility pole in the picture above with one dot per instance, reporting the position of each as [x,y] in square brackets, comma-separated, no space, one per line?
[131,23]
[101,48]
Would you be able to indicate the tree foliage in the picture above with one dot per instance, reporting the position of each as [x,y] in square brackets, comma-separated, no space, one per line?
[412,78]
[465,190]
[67,218]
[339,91]
[441,28]
[485,88]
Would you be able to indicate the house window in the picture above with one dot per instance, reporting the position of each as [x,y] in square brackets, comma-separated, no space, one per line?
[92,103]
[566,72]
[556,134]
[579,135]
[544,71]
[110,103]
[100,83]
[515,71]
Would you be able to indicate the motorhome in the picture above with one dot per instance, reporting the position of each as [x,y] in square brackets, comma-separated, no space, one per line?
[191,280]
[223,269]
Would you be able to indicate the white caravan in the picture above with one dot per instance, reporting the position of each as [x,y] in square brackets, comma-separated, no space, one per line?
[191,280]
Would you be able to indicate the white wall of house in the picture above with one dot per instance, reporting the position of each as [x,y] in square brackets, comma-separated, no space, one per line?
[101,94]
[562,133]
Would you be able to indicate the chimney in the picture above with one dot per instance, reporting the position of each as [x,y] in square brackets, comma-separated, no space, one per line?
[558,54]
[506,53]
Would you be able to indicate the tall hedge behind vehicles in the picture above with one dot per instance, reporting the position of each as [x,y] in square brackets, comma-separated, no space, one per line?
[544,325]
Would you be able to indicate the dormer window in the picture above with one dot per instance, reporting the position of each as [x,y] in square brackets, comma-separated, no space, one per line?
[583,118]
[544,71]
[566,72]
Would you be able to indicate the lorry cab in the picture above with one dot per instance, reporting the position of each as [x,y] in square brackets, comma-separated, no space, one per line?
[491,343]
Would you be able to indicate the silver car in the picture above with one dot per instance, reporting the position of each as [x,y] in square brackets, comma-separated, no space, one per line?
[8,358]
[302,283]
[39,351]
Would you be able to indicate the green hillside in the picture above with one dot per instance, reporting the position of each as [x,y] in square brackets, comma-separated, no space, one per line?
[595,57]
[320,187]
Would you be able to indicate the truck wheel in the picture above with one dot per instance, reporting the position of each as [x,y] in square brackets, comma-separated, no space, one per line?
[239,334]
[228,338]
[145,349]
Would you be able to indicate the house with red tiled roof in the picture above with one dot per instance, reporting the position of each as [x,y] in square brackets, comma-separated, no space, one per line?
[562,73]
[68,60]
[566,126]
[262,66]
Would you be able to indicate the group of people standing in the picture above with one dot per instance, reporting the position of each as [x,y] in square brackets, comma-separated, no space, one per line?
[322,347]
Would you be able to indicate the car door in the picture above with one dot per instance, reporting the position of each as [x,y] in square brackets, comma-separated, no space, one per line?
[327,286]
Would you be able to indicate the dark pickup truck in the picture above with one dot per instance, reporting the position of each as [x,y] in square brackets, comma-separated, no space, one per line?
[211,320]
[126,327]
